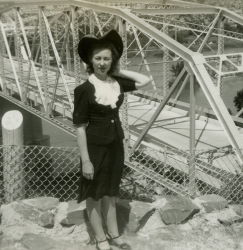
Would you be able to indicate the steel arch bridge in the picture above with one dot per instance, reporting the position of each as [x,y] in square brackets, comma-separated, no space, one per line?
[39,65]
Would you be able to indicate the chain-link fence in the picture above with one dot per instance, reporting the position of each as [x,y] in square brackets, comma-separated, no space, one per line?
[31,171]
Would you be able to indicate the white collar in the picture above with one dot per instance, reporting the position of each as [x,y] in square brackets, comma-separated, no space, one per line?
[106,92]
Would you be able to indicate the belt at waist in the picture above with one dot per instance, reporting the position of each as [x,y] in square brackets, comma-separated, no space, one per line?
[104,120]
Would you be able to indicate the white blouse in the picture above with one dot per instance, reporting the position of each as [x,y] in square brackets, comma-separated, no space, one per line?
[106,92]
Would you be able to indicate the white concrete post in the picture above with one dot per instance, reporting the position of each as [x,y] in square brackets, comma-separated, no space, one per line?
[13,176]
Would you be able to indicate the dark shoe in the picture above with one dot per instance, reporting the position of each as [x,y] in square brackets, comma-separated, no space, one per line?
[103,245]
[115,241]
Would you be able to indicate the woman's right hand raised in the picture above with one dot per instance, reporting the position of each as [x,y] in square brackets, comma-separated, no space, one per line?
[88,170]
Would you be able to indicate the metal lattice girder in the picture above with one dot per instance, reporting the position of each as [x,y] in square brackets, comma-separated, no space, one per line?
[30,58]
[177,11]
[74,28]
[217,104]
[11,60]
[45,55]
[19,53]
[58,60]
[143,56]
[2,74]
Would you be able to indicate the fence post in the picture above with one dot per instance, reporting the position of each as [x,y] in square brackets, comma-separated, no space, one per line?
[12,133]
[192,169]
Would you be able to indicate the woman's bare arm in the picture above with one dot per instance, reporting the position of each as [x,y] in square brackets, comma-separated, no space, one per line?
[140,79]
[87,166]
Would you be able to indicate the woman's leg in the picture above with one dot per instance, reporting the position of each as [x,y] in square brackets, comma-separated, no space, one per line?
[95,218]
[109,210]
[109,213]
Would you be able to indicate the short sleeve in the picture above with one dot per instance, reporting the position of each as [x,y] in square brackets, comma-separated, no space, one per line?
[126,84]
[81,105]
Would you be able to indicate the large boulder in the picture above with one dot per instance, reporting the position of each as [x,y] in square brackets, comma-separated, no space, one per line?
[132,216]
[43,242]
[212,202]
[74,214]
[152,225]
[238,209]
[17,212]
[177,210]
[230,216]
[42,203]
[24,222]
[46,219]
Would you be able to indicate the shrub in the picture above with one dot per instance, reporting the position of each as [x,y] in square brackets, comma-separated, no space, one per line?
[238,100]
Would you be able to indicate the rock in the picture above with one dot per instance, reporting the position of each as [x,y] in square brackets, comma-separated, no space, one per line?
[14,232]
[46,219]
[132,216]
[17,212]
[61,212]
[153,224]
[229,216]
[75,214]
[10,244]
[230,221]
[159,202]
[42,203]
[238,209]
[211,202]
[177,210]
[43,242]
[37,242]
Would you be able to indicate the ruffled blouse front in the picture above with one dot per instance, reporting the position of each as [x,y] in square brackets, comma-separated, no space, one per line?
[106,92]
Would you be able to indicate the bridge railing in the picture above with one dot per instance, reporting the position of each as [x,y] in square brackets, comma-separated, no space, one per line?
[31,171]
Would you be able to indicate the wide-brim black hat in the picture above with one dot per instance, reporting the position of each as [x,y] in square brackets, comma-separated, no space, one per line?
[87,43]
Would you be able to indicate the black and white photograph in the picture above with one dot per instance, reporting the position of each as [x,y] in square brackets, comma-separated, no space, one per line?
[121,125]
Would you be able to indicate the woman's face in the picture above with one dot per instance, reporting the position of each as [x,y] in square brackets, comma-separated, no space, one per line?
[101,61]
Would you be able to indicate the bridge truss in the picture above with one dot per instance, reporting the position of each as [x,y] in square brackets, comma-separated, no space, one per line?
[39,66]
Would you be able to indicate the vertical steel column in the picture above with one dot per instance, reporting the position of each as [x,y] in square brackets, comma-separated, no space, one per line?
[143,57]
[192,170]
[220,51]
[165,67]
[77,64]
[122,25]
[18,52]
[55,30]
[44,56]
[91,22]
[68,53]
[2,72]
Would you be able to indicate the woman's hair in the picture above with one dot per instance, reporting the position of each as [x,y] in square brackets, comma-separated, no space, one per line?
[114,53]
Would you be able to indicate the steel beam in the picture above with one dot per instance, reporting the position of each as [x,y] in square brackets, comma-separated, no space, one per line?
[74,29]
[232,16]
[2,71]
[177,11]
[27,46]
[217,104]
[192,170]
[11,60]
[143,57]
[158,110]
[58,60]
[45,57]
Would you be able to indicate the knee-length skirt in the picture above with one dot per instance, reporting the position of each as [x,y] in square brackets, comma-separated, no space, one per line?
[108,162]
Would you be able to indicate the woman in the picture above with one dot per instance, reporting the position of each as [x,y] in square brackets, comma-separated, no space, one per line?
[99,132]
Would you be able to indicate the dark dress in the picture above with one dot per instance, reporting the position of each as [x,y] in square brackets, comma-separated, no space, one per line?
[104,140]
